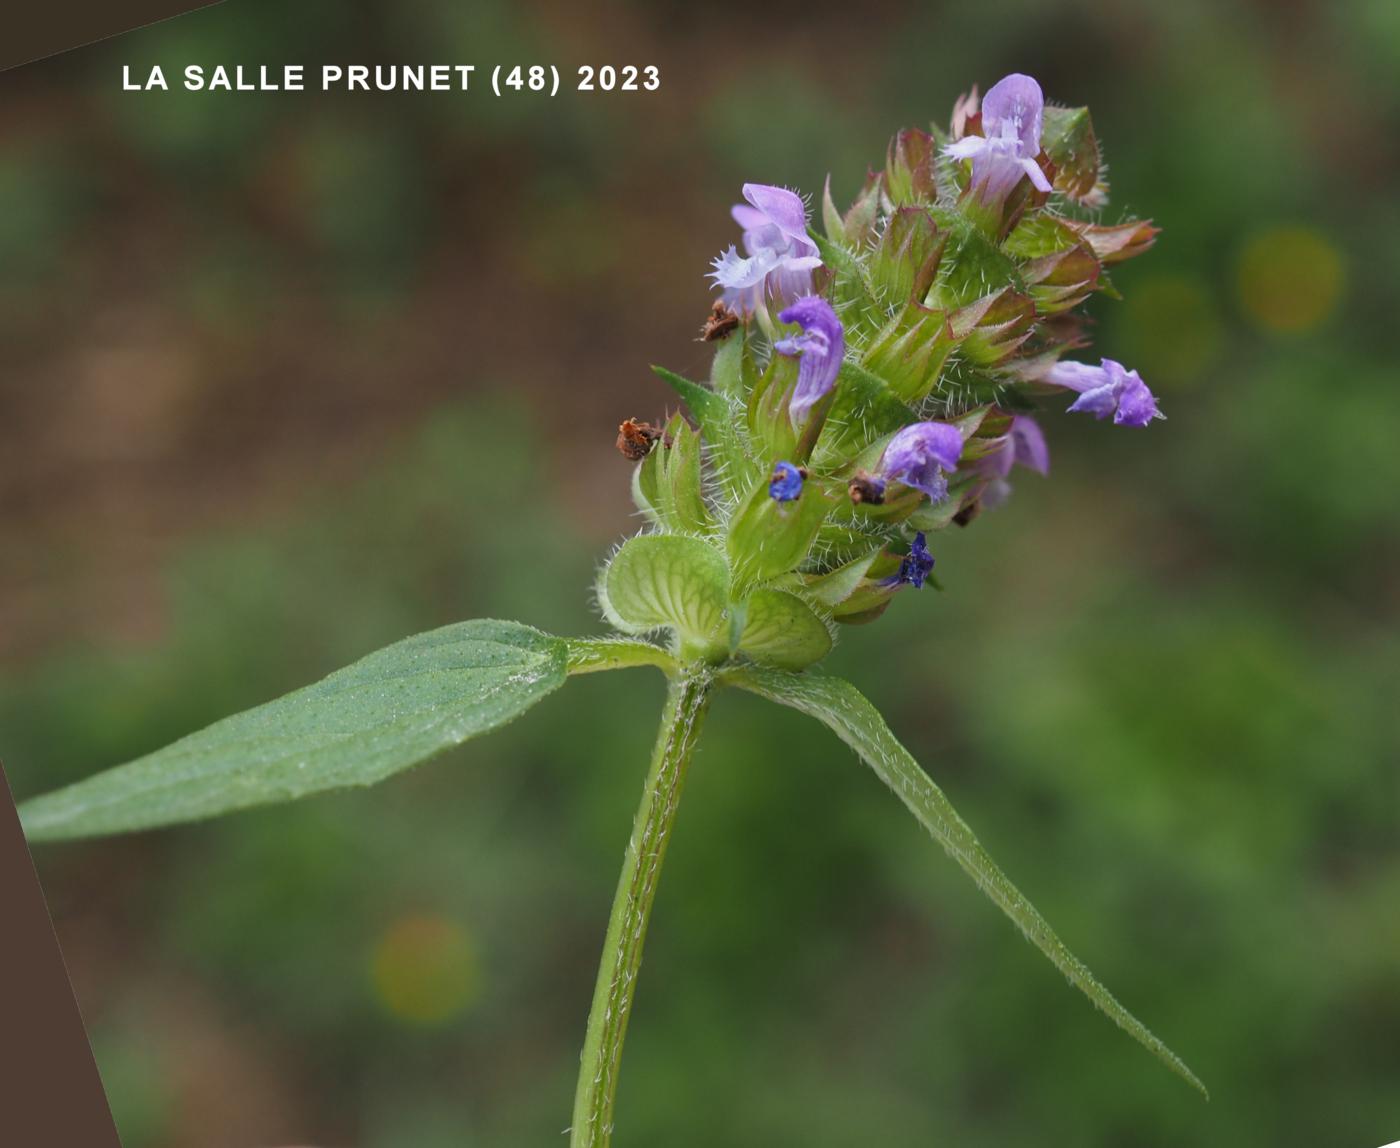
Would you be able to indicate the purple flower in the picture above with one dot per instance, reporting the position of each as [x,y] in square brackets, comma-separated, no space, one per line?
[917,565]
[1010,139]
[1023,445]
[786,483]
[821,345]
[1108,389]
[919,456]
[780,253]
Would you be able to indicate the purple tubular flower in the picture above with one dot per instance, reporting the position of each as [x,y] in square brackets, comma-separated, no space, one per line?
[786,483]
[1012,111]
[1023,445]
[821,345]
[918,565]
[1108,389]
[780,254]
[919,456]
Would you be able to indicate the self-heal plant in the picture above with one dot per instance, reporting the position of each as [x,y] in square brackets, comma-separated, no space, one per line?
[872,385]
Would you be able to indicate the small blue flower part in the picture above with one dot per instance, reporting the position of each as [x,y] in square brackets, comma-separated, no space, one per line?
[918,565]
[786,483]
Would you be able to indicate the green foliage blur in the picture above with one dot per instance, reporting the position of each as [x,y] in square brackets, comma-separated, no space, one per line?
[292,377]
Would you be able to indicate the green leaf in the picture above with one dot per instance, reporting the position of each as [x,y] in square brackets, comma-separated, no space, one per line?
[782,630]
[388,711]
[842,708]
[668,580]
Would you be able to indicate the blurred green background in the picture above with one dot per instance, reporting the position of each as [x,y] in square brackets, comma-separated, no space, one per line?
[289,377]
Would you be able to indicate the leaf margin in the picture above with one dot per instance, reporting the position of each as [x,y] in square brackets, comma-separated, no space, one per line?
[901,772]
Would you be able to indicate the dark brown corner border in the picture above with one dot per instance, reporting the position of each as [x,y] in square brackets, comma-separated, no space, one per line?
[50,1093]
[32,31]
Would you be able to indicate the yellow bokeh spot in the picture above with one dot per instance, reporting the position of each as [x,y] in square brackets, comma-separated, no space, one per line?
[1289,279]
[424,969]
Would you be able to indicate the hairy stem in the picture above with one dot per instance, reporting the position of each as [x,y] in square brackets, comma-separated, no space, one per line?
[687,699]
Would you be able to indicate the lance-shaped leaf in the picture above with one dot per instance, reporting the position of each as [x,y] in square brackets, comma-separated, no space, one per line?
[843,709]
[388,711]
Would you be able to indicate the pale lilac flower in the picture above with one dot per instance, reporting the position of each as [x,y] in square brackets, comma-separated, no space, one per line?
[921,455]
[821,345]
[780,254]
[1005,151]
[1108,389]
